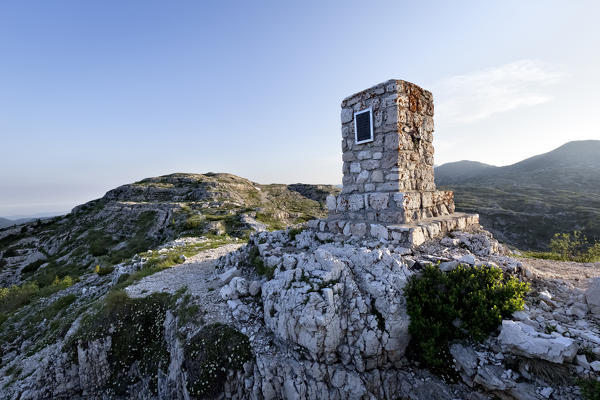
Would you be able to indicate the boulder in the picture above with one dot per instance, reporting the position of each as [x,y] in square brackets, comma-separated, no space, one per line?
[524,340]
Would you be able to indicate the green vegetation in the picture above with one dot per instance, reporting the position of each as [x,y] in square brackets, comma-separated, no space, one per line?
[527,217]
[41,323]
[272,223]
[136,328]
[590,388]
[34,266]
[210,354]
[467,302]
[15,297]
[569,247]
[102,271]
[293,232]
[99,243]
[188,311]
[257,262]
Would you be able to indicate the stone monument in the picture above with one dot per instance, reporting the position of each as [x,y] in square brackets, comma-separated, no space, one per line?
[388,188]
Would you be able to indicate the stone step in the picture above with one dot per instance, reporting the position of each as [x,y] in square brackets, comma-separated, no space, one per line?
[409,235]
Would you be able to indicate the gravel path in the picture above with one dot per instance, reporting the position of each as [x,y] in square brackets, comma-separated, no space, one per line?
[197,273]
[577,274]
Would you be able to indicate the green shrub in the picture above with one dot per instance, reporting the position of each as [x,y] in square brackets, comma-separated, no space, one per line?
[101,271]
[467,302]
[294,232]
[210,354]
[136,328]
[34,266]
[99,243]
[569,247]
[590,389]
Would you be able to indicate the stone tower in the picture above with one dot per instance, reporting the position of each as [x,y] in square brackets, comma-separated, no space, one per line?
[388,183]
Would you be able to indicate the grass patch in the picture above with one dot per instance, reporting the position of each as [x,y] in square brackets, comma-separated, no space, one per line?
[467,302]
[272,223]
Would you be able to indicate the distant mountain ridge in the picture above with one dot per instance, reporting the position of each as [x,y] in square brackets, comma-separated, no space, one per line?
[5,222]
[525,203]
[572,166]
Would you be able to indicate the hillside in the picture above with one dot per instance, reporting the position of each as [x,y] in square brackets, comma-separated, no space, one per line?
[136,217]
[524,204]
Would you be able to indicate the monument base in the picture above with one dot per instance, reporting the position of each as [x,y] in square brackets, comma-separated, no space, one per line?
[391,207]
[407,235]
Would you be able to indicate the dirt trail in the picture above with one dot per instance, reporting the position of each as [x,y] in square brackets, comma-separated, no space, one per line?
[577,274]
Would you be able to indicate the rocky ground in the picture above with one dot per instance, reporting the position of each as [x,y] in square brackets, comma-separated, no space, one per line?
[328,320]
[293,313]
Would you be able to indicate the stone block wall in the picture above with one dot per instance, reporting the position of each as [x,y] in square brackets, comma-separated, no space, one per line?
[390,179]
[389,207]
[400,158]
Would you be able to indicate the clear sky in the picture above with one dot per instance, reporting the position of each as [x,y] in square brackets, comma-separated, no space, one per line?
[98,94]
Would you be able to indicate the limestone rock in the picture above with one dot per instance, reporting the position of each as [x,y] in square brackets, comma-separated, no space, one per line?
[522,339]
[592,296]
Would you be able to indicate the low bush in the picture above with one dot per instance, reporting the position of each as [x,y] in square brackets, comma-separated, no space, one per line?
[99,243]
[467,302]
[34,266]
[195,221]
[257,262]
[210,354]
[104,270]
[293,232]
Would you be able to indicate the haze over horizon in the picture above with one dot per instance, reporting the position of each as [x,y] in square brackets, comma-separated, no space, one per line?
[97,95]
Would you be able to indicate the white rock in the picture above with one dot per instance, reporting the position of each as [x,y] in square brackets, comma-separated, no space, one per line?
[467,259]
[545,295]
[546,392]
[331,202]
[592,296]
[448,266]
[582,360]
[226,276]
[254,288]
[522,339]
[595,366]
[379,231]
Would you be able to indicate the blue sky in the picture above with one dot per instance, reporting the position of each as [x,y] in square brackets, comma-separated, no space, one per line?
[98,94]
